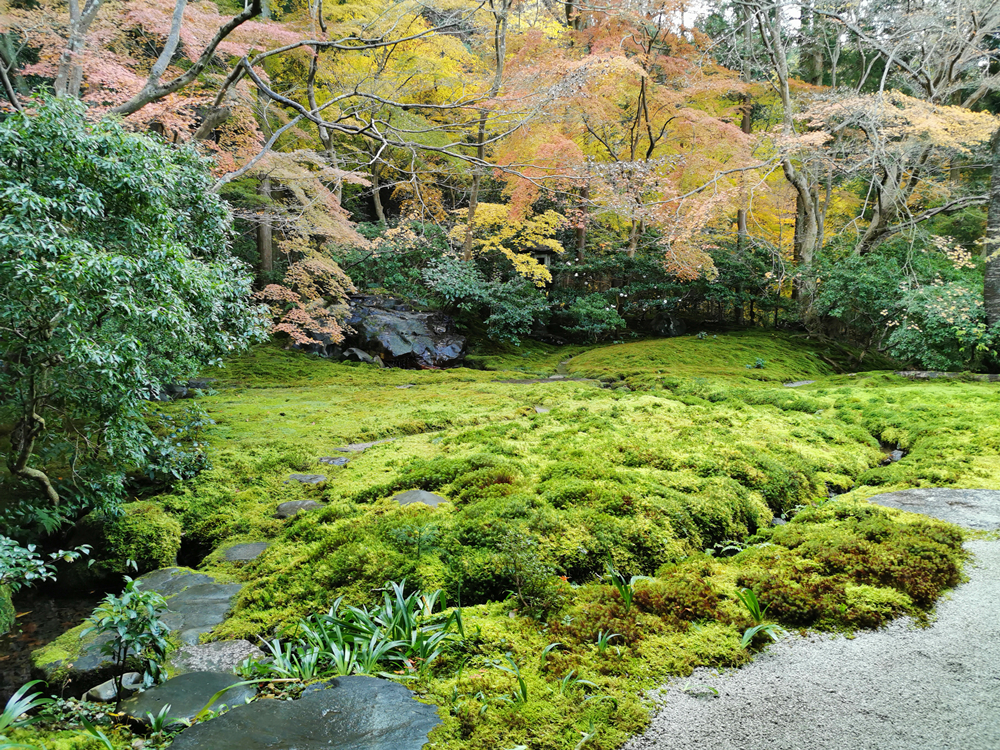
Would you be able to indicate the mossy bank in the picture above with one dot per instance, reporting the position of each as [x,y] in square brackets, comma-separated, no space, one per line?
[668,459]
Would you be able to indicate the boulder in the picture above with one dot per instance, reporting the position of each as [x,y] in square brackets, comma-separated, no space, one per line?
[294,507]
[105,692]
[401,336]
[347,713]
[187,695]
[357,355]
[419,496]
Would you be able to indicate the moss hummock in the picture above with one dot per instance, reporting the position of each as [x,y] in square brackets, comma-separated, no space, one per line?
[685,450]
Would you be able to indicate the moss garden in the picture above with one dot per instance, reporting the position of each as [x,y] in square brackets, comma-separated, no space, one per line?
[669,460]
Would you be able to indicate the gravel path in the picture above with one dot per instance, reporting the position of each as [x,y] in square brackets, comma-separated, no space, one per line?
[900,688]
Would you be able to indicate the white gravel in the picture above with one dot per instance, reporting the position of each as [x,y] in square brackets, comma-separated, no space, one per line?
[900,688]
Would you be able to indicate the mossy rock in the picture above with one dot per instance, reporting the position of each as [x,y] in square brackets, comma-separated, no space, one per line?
[144,534]
[6,610]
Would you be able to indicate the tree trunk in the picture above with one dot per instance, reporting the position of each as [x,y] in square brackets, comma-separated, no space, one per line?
[991,283]
[474,193]
[265,239]
[376,194]
[69,72]
[581,229]
[746,125]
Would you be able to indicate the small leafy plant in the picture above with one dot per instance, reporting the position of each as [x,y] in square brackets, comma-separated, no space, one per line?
[519,695]
[757,365]
[136,631]
[403,632]
[757,613]
[20,703]
[624,586]
[24,566]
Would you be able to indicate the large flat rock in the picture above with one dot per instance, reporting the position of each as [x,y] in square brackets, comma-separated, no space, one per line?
[348,713]
[187,695]
[974,509]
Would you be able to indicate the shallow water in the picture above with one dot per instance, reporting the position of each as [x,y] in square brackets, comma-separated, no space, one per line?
[41,618]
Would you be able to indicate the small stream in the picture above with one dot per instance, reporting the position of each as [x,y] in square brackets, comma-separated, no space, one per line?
[41,618]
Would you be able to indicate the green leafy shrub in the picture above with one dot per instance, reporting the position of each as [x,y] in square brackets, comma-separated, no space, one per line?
[138,637]
[594,319]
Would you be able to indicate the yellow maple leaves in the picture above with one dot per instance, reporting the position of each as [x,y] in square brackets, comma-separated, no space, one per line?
[495,231]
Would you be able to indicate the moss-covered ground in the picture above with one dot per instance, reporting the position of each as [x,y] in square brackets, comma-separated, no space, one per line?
[662,450]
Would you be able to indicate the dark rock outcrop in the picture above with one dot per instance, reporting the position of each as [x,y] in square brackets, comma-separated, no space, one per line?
[347,713]
[402,337]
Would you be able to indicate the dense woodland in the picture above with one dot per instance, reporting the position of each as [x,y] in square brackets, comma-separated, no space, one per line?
[811,190]
[594,168]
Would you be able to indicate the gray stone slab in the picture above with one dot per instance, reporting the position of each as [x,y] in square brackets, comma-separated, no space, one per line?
[245,552]
[293,507]
[419,496]
[338,461]
[218,656]
[797,383]
[541,410]
[306,478]
[349,713]
[974,509]
[187,695]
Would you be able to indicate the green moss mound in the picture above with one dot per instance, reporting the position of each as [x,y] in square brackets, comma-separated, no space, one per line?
[671,461]
[142,538]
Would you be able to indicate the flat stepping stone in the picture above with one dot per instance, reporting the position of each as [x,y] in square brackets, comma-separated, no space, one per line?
[218,656]
[245,552]
[797,383]
[557,377]
[359,447]
[338,461]
[404,387]
[198,609]
[542,410]
[347,713]
[293,507]
[419,496]
[187,695]
[306,478]
[974,509]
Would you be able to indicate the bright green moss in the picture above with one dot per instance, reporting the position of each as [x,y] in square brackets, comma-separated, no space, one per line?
[6,610]
[55,657]
[701,453]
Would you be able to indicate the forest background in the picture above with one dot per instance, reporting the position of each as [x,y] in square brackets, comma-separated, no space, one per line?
[602,169]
